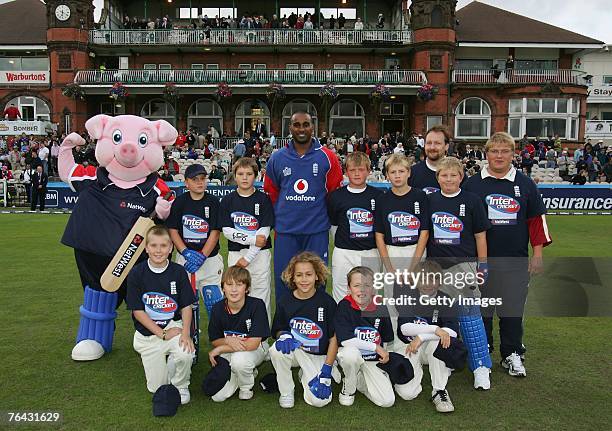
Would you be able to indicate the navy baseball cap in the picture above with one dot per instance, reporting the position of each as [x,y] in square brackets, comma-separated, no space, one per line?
[454,356]
[217,377]
[268,383]
[194,170]
[166,401]
[398,368]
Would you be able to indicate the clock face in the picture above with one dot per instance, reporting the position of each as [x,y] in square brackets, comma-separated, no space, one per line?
[62,12]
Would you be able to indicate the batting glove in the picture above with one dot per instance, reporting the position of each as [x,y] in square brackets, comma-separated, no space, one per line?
[286,343]
[320,386]
[211,294]
[193,260]
[483,271]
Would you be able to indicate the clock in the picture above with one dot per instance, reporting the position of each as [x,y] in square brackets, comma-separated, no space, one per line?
[62,12]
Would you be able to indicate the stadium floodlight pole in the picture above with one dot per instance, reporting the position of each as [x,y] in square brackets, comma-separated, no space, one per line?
[145,8]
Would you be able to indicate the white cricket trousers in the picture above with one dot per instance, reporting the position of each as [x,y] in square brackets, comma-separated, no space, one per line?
[343,261]
[365,377]
[153,352]
[310,366]
[209,273]
[261,275]
[438,371]
[243,365]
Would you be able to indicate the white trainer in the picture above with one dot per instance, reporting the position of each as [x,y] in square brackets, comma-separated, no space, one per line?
[514,365]
[481,379]
[185,395]
[245,394]
[346,400]
[442,401]
[286,401]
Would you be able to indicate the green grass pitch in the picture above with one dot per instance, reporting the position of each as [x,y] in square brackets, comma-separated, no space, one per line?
[568,383]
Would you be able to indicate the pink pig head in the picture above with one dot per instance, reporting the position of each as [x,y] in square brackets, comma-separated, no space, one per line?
[130,147]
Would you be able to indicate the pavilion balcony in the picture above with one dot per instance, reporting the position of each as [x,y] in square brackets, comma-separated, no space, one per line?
[518,77]
[238,78]
[251,37]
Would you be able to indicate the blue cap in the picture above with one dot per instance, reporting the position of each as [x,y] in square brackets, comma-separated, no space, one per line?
[217,377]
[166,401]
[194,170]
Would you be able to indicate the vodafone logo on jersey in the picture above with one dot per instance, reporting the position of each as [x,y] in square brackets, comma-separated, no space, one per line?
[503,203]
[300,186]
[447,222]
[245,222]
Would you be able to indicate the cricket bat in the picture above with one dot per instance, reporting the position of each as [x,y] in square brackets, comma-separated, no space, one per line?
[195,319]
[128,253]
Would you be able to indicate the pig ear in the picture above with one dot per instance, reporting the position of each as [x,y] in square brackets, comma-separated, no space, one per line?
[95,125]
[166,133]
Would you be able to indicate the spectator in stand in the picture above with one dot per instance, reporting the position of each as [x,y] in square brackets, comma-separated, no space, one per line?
[190,139]
[14,158]
[580,178]
[26,177]
[12,113]
[54,155]
[332,22]
[595,171]
[581,165]
[39,188]
[191,154]
[527,164]
[166,176]
[551,158]
[563,163]
[380,22]
[308,24]
[299,25]
[358,24]
[530,149]
[216,173]
[522,144]
[274,22]
[341,21]
[578,152]
[43,155]
[171,166]
[239,150]
[607,170]
[32,159]
[6,173]
[126,22]
[292,20]
[375,155]
[212,132]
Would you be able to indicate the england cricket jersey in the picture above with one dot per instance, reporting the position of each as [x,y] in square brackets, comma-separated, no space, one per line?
[454,221]
[161,295]
[250,322]
[428,310]
[350,322]
[402,218]
[298,186]
[353,213]
[310,321]
[195,220]
[246,214]
[105,213]
[423,177]
[516,212]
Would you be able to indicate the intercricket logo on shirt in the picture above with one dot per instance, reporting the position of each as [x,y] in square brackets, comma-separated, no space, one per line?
[245,222]
[234,334]
[361,222]
[404,226]
[447,228]
[502,209]
[369,334]
[195,229]
[306,332]
[159,306]
[430,190]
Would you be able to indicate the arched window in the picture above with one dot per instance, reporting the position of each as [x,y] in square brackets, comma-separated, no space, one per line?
[247,114]
[31,108]
[158,109]
[347,117]
[204,112]
[295,106]
[472,119]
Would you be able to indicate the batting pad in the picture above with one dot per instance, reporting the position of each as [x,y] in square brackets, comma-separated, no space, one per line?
[97,317]
[474,338]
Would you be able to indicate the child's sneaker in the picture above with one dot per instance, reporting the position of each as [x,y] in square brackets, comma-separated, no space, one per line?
[286,401]
[514,365]
[481,378]
[185,395]
[245,394]
[442,401]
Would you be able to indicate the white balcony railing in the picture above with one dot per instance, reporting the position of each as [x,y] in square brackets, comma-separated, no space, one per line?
[250,77]
[249,37]
[515,76]
[598,129]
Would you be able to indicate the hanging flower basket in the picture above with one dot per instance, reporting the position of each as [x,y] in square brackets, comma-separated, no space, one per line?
[223,91]
[380,93]
[74,91]
[118,91]
[329,91]
[171,92]
[427,92]
[275,92]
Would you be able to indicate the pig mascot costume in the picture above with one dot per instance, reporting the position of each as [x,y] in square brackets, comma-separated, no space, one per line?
[111,198]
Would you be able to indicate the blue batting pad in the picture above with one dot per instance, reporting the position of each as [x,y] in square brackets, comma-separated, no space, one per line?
[98,317]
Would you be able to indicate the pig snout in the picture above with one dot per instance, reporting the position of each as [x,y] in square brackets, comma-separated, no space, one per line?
[127,154]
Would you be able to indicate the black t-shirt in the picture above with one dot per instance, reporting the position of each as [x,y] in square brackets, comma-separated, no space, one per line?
[423,178]
[509,205]
[310,321]
[402,218]
[195,220]
[426,313]
[250,322]
[353,213]
[351,322]
[454,222]
[162,296]
[246,215]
